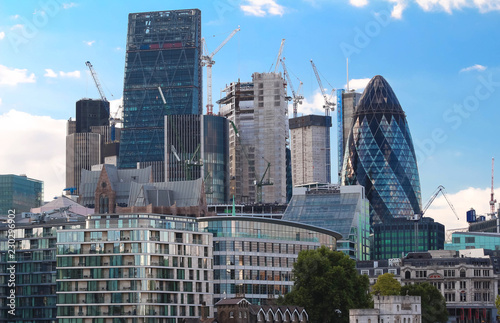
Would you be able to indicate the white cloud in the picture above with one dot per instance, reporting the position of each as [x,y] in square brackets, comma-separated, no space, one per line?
[2,35]
[358,3]
[17,27]
[261,8]
[437,5]
[14,17]
[34,145]
[113,108]
[89,43]
[0,101]
[50,73]
[357,84]
[14,76]
[464,200]
[69,5]
[312,105]
[475,67]
[74,74]
[399,7]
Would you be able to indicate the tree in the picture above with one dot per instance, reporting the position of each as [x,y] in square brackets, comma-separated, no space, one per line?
[497,303]
[433,303]
[386,285]
[327,285]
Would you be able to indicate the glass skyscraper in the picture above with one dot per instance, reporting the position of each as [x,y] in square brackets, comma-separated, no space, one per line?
[162,77]
[380,155]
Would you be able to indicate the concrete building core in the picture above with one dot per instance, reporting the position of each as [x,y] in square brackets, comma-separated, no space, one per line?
[257,111]
[310,145]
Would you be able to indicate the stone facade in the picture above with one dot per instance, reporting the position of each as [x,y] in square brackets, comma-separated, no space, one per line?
[389,309]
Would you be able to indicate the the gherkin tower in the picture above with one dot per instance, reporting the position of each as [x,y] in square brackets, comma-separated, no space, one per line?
[380,155]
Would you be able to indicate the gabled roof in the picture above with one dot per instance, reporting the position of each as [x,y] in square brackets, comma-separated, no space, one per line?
[182,193]
[232,301]
[63,201]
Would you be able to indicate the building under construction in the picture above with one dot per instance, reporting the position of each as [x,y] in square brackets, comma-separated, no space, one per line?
[310,142]
[258,136]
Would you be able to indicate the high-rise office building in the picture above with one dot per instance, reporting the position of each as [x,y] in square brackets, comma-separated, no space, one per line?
[310,147]
[197,146]
[19,193]
[346,103]
[257,138]
[91,113]
[380,155]
[85,139]
[162,77]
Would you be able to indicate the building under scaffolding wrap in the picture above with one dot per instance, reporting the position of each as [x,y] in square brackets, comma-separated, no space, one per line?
[162,77]
[257,138]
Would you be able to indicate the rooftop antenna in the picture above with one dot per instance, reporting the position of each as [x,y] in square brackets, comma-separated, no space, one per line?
[347,61]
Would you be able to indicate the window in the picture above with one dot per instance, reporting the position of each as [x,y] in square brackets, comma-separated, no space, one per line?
[449,297]
[378,272]
[421,273]
[486,273]
[449,273]
[462,273]
[463,297]
[365,272]
[477,272]
[477,297]
[463,285]
[449,285]
[470,239]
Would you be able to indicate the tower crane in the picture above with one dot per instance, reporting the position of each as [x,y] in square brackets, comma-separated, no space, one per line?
[296,97]
[492,201]
[329,104]
[417,217]
[207,60]
[279,56]
[96,80]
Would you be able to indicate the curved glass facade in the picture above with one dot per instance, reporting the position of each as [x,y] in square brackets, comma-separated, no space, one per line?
[254,257]
[380,155]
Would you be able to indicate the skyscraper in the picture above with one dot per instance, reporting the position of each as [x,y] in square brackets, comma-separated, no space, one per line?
[91,113]
[380,155]
[257,138]
[310,141]
[346,103]
[162,77]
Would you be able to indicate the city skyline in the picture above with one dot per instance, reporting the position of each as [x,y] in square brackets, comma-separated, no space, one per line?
[439,58]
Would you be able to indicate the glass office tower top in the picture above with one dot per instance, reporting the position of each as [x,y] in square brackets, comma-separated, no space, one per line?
[380,155]
[162,77]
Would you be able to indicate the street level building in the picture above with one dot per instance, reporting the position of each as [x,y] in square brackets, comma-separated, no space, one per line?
[310,148]
[397,309]
[19,193]
[254,257]
[468,283]
[162,77]
[34,264]
[130,267]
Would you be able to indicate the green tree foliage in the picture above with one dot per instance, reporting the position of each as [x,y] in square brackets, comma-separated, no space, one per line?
[497,303]
[327,285]
[433,303]
[386,285]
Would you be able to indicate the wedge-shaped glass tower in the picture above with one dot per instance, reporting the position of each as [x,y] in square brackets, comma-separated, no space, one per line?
[380,155]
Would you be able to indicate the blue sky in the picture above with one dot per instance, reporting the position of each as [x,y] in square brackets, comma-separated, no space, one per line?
[440,57]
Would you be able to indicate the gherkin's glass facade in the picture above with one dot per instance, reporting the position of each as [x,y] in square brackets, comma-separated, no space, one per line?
[162,77]
[380,155]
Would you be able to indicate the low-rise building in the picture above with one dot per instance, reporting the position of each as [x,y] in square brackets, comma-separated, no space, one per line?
[397,309]
[467,281]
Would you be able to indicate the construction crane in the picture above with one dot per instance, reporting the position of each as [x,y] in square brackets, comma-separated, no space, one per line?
[207,60]
[96,80]
[329,104]
[492,201]
[417,217]
[263,182]
[114,120]
[296,97]
[279,56]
